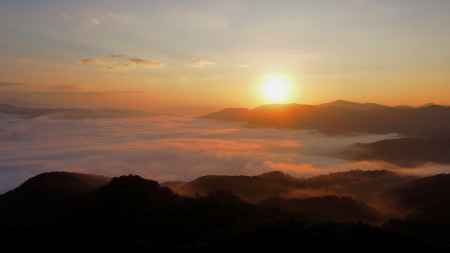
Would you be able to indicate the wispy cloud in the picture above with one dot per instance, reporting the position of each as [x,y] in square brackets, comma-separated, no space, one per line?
[10,84]
[121,62]
[201,63]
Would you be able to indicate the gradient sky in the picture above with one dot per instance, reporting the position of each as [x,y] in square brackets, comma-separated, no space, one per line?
[187,53]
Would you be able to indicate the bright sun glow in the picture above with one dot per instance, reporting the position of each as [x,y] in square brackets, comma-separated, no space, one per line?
[276,88]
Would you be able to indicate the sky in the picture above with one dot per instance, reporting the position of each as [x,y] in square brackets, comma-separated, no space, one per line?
[212,54]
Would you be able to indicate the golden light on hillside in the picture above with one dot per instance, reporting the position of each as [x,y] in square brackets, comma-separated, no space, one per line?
[276,88]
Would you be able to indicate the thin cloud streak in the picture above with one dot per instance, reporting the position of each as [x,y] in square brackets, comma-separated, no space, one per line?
[201,63]
[121,62]
[10,84]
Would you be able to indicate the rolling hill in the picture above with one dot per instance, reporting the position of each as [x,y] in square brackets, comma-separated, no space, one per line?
[54,210]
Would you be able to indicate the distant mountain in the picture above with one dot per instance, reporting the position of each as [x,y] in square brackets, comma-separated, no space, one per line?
[342,104]
[68,113]
[343,117]
[230,114]
[406,152]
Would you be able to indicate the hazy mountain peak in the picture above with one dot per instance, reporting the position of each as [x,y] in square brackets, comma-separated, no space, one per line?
[344,117]
[433,106]
[342,102]
[362,173]
[275,175]
[353,105]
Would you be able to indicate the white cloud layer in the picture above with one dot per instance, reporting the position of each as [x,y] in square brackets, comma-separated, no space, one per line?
[165,148]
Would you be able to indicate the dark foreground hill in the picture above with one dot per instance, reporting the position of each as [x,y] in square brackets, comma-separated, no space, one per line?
[361,185]
[248,188]
[425,199]
[72,212]
[326,208]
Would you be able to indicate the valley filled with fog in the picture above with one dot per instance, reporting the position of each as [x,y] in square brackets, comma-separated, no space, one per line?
[171,148]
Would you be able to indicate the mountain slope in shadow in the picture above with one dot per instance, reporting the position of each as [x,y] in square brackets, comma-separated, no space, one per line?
[361,185]
[54,186]
[407,152]
[132,213]
[47,196]
[248,188]
[326,208]
[425,199]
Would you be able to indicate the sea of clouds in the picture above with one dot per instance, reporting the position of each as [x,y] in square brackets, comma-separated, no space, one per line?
[166,148]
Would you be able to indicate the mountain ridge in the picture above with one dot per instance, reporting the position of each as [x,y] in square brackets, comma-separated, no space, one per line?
[344,117]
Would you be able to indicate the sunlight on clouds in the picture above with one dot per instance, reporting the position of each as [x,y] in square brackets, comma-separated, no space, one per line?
[169,148]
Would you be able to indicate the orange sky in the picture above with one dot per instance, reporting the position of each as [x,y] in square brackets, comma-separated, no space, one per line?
[212,54]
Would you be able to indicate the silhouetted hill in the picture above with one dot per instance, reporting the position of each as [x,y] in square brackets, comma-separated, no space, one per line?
[130,213]
[248,188]
[404,151]
[133,191]
[359,184]
[47,196]
[341,209]
[425,199]
[342,117]
[362,185]
[56,186]
[424,191]
[127,213]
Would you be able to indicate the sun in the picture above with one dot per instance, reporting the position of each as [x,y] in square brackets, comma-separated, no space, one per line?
[276,88]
